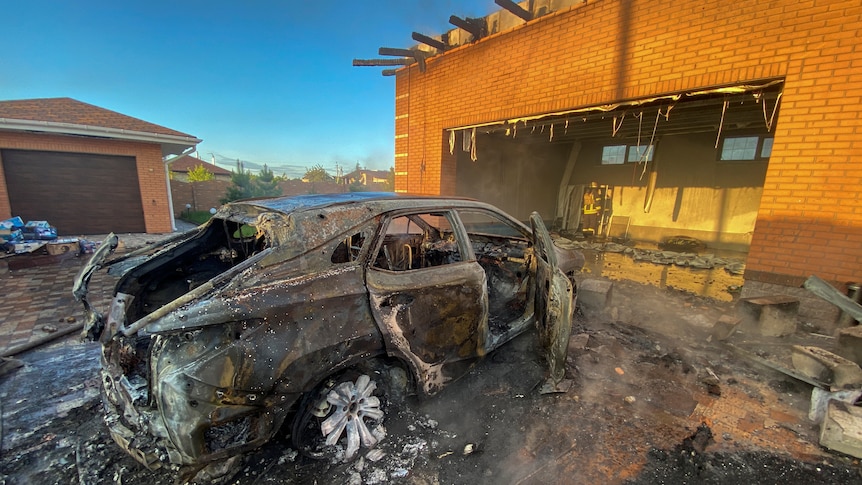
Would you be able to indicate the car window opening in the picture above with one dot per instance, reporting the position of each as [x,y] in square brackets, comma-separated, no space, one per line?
[349,249]
[504,252]
[418,241]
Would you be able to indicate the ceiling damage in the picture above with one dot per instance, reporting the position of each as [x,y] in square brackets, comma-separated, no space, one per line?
[737,107]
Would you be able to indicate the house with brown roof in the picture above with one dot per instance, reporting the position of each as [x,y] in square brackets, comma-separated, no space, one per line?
[181,166]
[373,179]
[86,169]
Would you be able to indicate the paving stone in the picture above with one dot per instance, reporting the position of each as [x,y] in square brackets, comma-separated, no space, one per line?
[724,327]
[579,342]
[39,295]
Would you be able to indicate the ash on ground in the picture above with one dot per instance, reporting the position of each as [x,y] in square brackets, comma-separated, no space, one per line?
[654,402]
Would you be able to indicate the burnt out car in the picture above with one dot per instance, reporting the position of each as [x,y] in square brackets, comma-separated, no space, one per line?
[297,313]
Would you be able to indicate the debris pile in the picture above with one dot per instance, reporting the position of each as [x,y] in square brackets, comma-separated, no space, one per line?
[768,328]
[38,237]
[19,237]
[683,259]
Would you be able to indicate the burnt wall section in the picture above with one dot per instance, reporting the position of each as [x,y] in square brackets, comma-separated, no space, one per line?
[600,52]
[513,176]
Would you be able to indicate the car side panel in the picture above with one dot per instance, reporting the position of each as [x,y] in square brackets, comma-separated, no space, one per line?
[436,318]
[299,332]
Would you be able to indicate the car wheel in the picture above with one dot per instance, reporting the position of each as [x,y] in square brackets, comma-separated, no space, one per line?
[338,417]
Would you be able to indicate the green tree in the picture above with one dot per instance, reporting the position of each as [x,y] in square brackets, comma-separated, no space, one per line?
[246,185]
[317,174]
[200,174]
[390,180]
[242,186]
[266,183]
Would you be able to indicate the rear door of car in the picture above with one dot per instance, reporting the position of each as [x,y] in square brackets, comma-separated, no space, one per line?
[428,295]
[553,300]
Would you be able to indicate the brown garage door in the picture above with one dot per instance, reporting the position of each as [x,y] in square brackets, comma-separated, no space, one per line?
[77,193]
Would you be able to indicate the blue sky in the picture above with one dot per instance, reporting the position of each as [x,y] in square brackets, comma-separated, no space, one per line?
[262,81]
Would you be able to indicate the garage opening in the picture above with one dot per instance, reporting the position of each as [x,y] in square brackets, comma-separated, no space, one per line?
[78,193]
[688,164]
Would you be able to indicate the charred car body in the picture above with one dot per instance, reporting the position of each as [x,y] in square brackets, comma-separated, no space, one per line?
[216,337]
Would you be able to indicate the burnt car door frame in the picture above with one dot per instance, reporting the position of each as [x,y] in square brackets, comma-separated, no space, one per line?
[554,303]
[434,318]
[507,262]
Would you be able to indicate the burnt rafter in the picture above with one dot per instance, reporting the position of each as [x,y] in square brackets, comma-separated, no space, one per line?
[419,56]
[404,61]
[473,26]
[440,46]
[515,9]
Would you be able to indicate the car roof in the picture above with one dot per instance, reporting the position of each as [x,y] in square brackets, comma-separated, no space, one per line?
[390,200]
[317,218]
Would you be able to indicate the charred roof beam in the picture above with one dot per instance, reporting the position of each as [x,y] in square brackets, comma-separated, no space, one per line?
[515,9]
[404,61]
[419,56]
[473,26]
[440,46]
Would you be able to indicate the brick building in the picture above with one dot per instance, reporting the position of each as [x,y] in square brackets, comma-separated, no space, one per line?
[85,169]
[739,124]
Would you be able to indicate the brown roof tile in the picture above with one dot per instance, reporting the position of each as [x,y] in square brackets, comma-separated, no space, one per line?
[187,163]
[68,110]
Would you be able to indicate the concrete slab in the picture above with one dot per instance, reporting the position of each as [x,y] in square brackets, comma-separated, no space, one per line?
[820,399]
[850,343]
[827,367]
[771,316]
[842,428]
[594,296]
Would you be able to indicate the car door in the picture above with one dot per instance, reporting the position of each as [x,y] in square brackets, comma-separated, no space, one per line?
[429,296]
[553,301]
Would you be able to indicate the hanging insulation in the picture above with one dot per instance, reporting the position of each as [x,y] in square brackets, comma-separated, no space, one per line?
[721,123]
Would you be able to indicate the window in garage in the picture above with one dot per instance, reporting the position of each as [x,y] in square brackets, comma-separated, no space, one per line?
[746,148]
[619,154]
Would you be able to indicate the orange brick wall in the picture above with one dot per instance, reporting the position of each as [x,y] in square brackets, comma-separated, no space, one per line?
[151,170]
[810,220]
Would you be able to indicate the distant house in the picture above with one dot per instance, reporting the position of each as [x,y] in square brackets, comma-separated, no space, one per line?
[181,166]
[85,169]
[375,179]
